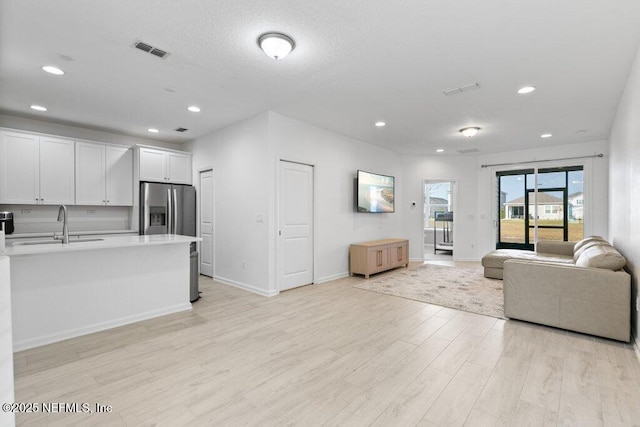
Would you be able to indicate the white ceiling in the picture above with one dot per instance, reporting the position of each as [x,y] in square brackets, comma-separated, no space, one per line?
[356,62]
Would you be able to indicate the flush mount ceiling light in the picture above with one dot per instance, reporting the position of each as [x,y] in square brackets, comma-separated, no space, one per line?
[276,45]
[38,108]
[546,135]
[470,131]
[440,150]
[526,89]
[53,70]
[153,130]
[380,124]
[194,109]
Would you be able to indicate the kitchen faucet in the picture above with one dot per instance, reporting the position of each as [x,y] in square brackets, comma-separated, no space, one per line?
[62,216]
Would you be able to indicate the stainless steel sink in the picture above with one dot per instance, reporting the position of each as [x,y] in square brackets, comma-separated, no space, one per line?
[54,242]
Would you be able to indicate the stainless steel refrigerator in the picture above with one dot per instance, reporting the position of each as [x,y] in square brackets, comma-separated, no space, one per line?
[171,209]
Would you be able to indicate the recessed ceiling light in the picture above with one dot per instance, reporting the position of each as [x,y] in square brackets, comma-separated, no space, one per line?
[152,130]
[526,89]
[440,150]
[470,131]
[194,109]
[546,135]
[53,70]
[380,124]
[38,108]
[276,45]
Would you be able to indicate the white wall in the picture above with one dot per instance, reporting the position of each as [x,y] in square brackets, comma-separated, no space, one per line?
[459,168]
[242,176]
[245,159]
[596,177]
[624,183]
[476,205]
[336,159]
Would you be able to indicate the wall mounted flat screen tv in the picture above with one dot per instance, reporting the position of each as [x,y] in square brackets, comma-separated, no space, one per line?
[375,193]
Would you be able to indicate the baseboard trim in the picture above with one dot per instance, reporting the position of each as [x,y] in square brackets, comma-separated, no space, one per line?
[97,327]
[332,277]
[245,287]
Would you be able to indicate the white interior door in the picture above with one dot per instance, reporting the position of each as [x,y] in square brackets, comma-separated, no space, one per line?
[296,225]
[206,223]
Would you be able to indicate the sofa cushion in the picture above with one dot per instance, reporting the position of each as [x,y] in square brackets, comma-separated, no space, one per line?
[577,253]
[587,240]
[496,259]
[601,256]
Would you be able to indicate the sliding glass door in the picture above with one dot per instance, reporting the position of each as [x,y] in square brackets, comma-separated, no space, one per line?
[546,204]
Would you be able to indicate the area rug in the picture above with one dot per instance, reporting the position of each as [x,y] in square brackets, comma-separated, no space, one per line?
[460,288]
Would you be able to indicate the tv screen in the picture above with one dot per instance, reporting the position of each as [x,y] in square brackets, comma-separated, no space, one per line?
[375,193]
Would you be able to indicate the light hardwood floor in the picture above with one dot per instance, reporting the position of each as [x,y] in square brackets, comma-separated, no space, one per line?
[332,355]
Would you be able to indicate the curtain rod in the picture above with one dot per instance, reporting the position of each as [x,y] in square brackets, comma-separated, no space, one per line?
[540,161]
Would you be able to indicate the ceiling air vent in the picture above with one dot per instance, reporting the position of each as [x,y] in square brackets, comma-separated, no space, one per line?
[181,129]
[469,151]
[145,47]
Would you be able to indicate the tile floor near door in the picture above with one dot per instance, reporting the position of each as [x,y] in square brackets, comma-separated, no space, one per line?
[331,354]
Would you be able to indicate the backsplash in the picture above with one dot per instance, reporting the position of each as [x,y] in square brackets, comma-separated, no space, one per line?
[44,218]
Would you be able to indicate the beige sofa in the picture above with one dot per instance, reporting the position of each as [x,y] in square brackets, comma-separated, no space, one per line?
[588,292]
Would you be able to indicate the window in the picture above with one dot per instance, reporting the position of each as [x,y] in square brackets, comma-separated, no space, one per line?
[558,195]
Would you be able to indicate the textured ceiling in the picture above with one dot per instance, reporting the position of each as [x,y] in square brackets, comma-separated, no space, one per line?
[356,62]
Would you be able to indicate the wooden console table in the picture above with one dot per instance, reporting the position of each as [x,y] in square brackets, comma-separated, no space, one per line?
[373,257]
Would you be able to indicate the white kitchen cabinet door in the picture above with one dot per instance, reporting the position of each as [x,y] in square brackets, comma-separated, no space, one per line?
[153,165]
[90,174]
[19,168]
[57,171]
[119,176]
[179,168]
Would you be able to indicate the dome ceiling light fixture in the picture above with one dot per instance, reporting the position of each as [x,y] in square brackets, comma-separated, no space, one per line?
[470,131]
[276,45]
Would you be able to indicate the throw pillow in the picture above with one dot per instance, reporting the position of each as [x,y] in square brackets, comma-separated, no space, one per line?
[586,240]
[577,253]
[601,256]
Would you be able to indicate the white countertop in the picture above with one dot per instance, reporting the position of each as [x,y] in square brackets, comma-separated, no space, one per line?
[40,246]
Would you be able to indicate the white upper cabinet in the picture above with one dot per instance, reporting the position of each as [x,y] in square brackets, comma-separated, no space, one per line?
[165,166]
[179,168]
[119,168]
[90,173]
[104,175]
[36,169]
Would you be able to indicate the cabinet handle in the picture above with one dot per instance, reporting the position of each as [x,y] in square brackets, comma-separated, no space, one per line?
[379,257]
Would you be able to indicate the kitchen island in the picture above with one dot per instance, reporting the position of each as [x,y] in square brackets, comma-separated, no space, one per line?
[60,291]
